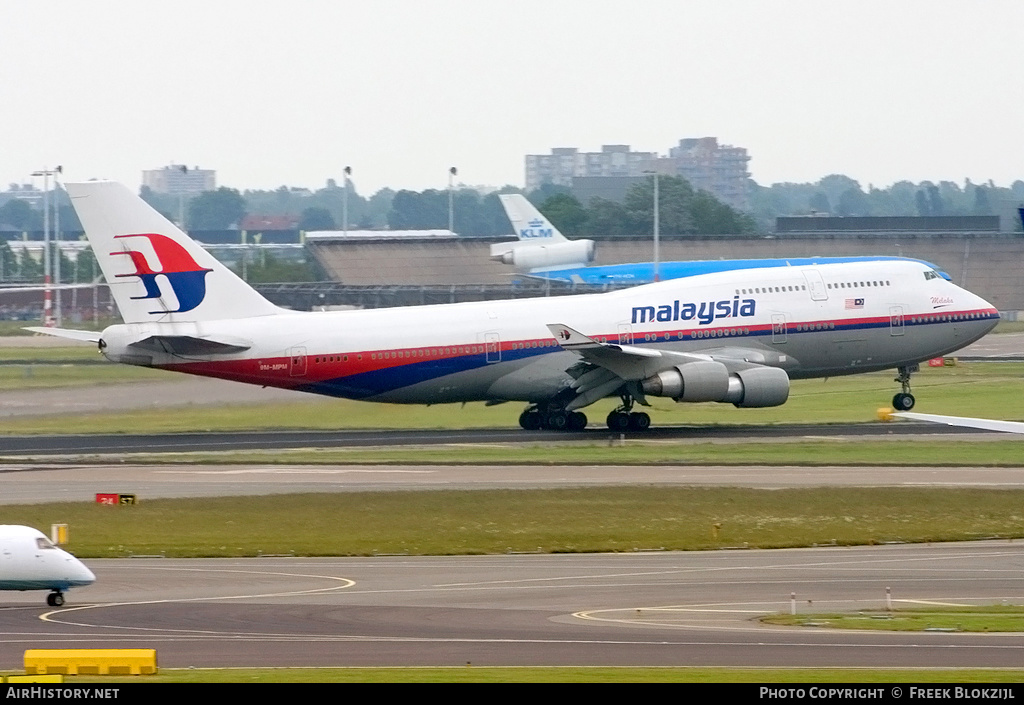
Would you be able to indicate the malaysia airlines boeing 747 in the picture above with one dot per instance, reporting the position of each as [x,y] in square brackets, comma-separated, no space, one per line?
[737,336]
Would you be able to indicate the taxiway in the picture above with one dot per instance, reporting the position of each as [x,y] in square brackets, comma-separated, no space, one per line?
[667,609]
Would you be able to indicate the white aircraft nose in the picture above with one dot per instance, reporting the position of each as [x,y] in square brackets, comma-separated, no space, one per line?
[84,574]
[78,573]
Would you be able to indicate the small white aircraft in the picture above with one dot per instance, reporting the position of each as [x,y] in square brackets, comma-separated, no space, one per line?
[735,336]
[541,246]
[30,561]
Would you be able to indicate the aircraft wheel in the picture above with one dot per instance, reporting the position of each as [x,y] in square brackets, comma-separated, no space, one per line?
[55,599]
[577,421]
[530,420]
[558,420]
[618,421]
[639,421]
[903,402]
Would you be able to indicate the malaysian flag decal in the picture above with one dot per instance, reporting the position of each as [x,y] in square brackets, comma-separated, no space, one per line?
[854,303]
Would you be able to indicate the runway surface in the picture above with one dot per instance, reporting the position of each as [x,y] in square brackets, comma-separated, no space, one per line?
[31,484]
[102,444]
[661,609]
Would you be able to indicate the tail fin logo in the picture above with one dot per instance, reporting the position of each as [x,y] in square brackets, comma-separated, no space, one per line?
[184,275]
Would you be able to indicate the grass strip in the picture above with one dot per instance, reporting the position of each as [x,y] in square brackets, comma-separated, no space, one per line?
[600,519]
[897,451]
[987,618]
[987,390]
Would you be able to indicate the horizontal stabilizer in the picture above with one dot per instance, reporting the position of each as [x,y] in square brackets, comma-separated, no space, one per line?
[86,336]
[190,345]
[49,287]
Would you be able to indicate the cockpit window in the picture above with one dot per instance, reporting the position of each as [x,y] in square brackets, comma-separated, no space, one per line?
[44,543]
[931,274]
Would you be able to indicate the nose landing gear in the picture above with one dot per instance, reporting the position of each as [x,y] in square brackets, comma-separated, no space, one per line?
[55,599]
[904,401]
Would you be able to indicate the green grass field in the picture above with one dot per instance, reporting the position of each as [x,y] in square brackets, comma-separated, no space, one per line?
[582,520]
[988,390]
[983,619]
[896,451]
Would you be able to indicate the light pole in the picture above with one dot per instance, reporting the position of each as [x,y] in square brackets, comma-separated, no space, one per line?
[181,199]
[451,202]
[657,224]
[344,200]
[58,315]
[47,291]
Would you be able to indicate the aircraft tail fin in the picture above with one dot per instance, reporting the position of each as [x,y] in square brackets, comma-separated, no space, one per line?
[527,221]
[155,271]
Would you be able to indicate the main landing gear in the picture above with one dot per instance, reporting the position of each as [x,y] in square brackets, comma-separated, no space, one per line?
[552,417]
[55,599]
[535,419]
[625,419]
[904,401]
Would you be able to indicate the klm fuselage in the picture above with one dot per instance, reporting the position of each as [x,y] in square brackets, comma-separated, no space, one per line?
[815,320]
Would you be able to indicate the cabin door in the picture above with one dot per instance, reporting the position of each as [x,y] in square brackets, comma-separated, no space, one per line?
[779,328]
[492,344]
[297,362]
[625,334]
[895,320]
[816,285]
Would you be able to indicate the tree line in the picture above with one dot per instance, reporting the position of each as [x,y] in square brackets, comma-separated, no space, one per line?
[683,210]
[839,195]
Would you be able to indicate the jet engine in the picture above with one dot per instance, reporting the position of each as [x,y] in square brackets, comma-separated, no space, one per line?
[532,256]
[707,380]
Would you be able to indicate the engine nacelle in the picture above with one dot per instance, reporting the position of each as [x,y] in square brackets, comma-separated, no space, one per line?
[533,256]
[762,386]
[711,381]
[693,381]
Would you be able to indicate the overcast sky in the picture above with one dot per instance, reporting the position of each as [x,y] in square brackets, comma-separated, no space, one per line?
[272,93]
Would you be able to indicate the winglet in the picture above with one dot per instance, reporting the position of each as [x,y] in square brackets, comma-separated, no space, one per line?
[571,339]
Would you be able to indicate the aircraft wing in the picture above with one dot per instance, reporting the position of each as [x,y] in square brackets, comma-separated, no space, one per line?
[962,421]
[628,362]
[633,363]
[610,366]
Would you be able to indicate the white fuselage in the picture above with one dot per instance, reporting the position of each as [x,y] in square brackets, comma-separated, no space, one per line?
[812,321]
[29,561]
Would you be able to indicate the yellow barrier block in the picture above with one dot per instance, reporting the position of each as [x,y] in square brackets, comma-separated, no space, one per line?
[100,662]
[55,678]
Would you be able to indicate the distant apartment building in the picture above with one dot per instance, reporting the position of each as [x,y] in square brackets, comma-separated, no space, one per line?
[565,163]
[178,179]
[719,169]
